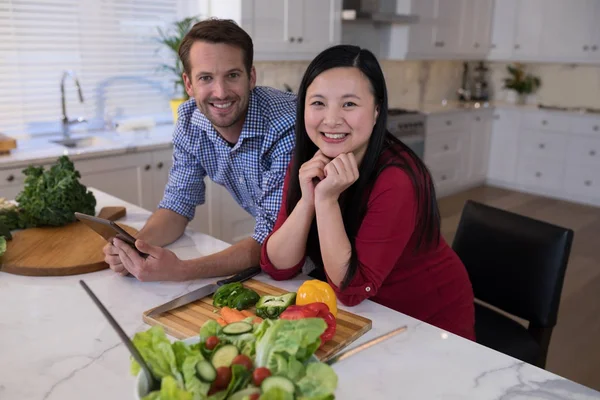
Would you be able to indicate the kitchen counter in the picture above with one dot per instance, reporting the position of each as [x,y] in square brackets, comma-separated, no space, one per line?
[55,343]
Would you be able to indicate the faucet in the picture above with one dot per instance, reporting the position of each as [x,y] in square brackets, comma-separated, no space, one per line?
[66,123]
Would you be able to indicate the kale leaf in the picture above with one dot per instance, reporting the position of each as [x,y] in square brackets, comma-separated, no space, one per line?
[51,197]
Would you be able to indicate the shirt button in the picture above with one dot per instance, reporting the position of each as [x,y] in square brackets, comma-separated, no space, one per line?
[368,288]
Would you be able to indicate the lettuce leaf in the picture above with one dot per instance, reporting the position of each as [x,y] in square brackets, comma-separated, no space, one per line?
[169,390]
[320,381]
[193,384]
[156,349]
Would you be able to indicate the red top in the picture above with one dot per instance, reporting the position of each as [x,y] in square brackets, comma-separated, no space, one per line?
[432,286]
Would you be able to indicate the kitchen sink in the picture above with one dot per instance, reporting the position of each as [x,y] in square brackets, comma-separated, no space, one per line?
[81,142]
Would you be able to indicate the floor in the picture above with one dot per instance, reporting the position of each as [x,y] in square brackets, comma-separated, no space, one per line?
[575,347]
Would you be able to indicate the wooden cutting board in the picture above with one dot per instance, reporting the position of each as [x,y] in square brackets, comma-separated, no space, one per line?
[185,321]
[57,251]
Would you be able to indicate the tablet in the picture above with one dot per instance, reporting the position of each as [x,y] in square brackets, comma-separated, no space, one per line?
[108,230]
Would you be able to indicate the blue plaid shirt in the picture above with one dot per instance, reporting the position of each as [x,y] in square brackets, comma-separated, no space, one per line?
[253,170]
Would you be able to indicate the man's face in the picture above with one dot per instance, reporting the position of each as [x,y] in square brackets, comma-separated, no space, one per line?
[220,83]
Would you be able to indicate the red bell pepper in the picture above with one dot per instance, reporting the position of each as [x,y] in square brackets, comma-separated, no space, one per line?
[313,310]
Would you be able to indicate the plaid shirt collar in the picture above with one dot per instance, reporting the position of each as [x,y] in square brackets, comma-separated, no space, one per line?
[249,129]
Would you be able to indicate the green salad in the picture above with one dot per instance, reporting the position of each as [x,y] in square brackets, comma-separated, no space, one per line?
[272,360]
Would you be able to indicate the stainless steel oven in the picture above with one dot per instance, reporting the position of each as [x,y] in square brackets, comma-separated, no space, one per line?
[409,127]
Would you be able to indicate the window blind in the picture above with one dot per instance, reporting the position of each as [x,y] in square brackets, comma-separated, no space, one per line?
[110,46]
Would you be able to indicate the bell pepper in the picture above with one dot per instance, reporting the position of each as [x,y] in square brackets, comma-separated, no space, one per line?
[316,291]
[313,310]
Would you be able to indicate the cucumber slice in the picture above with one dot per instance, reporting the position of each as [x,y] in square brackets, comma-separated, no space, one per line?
[243,393]
[237,328]
[278,381]
[206,371]
[224,356]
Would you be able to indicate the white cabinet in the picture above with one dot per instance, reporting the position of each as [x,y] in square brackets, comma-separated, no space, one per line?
[503,29]
[504,146]
[446,33]
[476,26]
[284,29]
[457,149]
[567,29]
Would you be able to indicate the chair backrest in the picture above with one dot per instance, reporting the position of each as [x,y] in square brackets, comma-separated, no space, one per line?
[515,263]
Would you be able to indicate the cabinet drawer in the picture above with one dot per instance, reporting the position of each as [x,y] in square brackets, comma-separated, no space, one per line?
[543,144]
[446,175]
[449,143]
[582,181]
[546,121]
[583,150]
[587,125]
[446,122]
[540,173]
[11,177]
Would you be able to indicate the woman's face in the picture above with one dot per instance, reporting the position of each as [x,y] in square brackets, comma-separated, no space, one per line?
[340,112]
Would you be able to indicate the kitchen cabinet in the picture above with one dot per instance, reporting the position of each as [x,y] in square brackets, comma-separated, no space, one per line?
[457,149]
[447,26]
[503,29]
[549,153]
[475,28]
[284,29]
[567,29]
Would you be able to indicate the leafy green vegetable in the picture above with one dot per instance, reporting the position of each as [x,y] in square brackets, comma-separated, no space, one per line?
[169,390]
[155,348]
[320,380]
[276,394]
[2,245]
[210,328]
[51,197]
[193,384]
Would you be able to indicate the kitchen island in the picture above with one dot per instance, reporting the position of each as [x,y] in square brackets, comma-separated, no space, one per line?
[55,343]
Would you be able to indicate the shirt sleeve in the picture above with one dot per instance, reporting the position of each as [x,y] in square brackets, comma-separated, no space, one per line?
[185,188]
[265,262]
[382,238]
[272,183]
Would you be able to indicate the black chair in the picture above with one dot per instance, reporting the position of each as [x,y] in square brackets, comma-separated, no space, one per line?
[516,264]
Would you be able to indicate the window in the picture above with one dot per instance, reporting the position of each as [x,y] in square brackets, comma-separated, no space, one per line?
[108,44]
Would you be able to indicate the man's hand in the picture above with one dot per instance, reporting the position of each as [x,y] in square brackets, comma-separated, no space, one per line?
[160,265]
[111,257]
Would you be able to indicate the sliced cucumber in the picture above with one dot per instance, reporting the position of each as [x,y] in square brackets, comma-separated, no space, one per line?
[224,356]
[237,328]
[278,381]
[243,393]
[206,371]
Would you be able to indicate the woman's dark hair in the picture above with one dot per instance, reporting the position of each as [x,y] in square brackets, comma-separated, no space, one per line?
[355,198]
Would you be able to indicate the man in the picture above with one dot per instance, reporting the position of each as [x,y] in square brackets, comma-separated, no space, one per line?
[240,135]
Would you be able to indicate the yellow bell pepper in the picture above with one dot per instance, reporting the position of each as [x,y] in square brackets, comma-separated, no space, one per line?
[317,291]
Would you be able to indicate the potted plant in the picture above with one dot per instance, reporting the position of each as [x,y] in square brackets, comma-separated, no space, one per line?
[520,82]
[172,39]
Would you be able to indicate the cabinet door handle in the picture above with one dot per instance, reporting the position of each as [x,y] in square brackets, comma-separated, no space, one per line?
[538,174]
[446,147]
[160,165]
[588,183]
[592,153]
[292,39]
[492,46]
[595,128]
[10,178]
[517,46]
[496,117]
[544,122]
[444,177]
[594,47]
[300,39]
[448,123]
[477,119]
[586,47]
[542,146]
[476,45]
[147,167]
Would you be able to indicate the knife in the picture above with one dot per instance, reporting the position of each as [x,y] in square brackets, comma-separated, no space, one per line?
[204,291]
[364,346]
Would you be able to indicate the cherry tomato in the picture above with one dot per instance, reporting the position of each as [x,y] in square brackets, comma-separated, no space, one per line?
[212,342]
[259,375]
[254,396]
[244,361]
[223,378]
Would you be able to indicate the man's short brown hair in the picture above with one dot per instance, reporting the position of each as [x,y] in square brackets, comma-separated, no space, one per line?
[214,30]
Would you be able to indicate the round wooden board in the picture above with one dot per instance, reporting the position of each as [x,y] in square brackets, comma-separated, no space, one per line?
[67,250]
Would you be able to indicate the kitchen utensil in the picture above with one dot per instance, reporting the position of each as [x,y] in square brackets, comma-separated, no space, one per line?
[154,383]
[185,322]
[204,291]
[349,353]
[57,251]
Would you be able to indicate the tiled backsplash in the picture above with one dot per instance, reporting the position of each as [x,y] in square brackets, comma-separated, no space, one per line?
[441,79]
[563,85]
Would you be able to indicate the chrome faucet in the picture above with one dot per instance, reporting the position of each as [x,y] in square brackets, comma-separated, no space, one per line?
[66,123]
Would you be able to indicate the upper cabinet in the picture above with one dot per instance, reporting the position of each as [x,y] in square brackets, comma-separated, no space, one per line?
[284,29]
[546,31]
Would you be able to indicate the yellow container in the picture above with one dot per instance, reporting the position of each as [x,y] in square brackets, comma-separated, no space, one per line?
[175,103]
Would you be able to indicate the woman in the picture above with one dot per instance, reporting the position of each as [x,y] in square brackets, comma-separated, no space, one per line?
[361,204]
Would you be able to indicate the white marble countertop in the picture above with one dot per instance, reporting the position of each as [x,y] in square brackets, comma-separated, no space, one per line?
[55,343]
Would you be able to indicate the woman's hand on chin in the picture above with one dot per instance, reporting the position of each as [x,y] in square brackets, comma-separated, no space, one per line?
[340,174]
